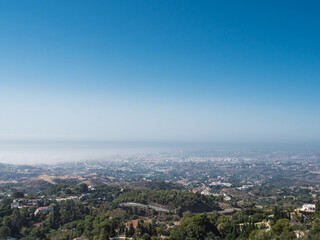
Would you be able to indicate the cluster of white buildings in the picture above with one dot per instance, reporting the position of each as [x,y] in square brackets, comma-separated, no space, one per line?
[73,198]
[245,187]
[22,202]
[219,183]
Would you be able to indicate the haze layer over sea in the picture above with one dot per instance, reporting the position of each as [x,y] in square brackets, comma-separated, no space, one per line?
[50,152]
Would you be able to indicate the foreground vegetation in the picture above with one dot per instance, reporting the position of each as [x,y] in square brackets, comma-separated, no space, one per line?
[98,214]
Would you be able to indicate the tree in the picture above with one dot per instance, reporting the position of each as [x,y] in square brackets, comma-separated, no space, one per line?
[260,235]
[18,195]
[282,225]
[318,206]
[196,227]
[146,236]
[179,211]
[103,234]
[39,232]
[5,204]
[4,232]
[155,238]
[6,221]
[68,191]
[51,221]
[287,236]
[83,188]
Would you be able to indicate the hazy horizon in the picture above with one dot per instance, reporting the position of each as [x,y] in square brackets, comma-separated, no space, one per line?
[51,152]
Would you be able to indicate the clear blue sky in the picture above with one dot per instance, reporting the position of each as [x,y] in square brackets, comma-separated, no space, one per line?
[221,71]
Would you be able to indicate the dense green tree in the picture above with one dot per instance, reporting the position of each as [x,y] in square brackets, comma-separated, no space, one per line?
[196,227]
[39,233]
[287,236]
[260,235]
[318,206]
[4,232]
[18,194]
[282,225]
[83,188]
[145,236]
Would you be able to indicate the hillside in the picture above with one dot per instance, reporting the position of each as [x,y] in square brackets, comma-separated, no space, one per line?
[43,181]
[186,201]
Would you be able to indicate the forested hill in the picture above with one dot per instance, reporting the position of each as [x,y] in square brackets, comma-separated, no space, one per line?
[181,200]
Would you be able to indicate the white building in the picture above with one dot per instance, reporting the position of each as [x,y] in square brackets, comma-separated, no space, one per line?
[308,208]
[43,209]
